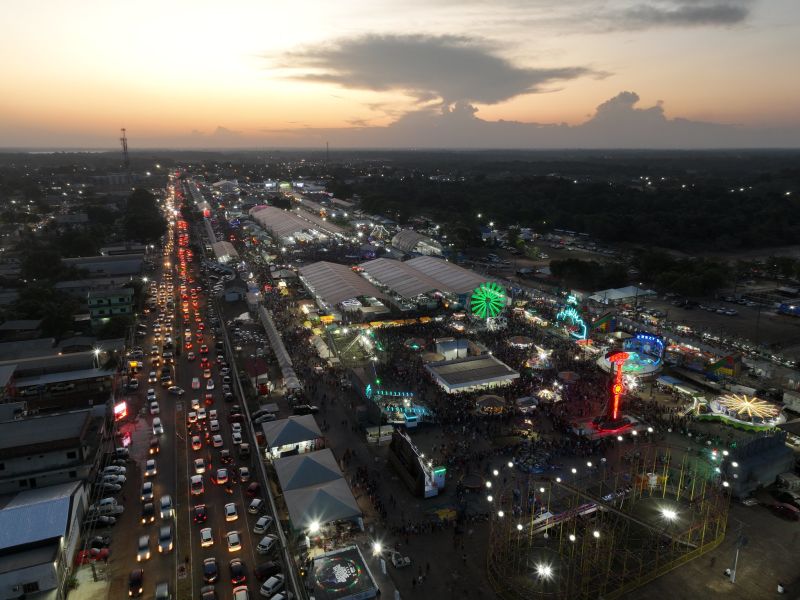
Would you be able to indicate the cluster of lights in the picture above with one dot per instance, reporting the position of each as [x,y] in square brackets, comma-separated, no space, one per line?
[742,404]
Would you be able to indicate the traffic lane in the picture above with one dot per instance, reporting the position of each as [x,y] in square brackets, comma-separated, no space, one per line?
[215,497]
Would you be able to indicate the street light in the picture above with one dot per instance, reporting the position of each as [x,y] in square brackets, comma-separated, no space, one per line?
[544,571]
[495,472]
[596,534]
[489,497]
[519,526]
[510,465]
[488,484]
[572,537]
[313,527]
[501,514]
[377,548]
[669,514]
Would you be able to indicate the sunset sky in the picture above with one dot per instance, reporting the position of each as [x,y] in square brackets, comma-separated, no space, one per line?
[199,73]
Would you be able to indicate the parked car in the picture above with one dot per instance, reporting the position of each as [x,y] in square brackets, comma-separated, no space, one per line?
[266,544]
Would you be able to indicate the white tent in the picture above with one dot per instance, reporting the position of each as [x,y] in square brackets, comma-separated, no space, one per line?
[332,501]
[307,470]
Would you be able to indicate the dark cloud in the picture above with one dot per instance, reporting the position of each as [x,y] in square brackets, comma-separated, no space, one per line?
[682,13]
[444,69]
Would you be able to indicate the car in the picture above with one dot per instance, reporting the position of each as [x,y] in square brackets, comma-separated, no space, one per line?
[176,391]
[199,466]
[195,403]
[237,427]
[148,513]
[234,541]
[207,592]
[210,384]
[236,567]
[113,479]
[240,592]
[158,428]
[221,477]
[196,443]
[206,537]
[143,553]
[256,506]
[254,489]
[213,425]
[167,508]
[244,474]
[201,414]
[212,414]
[272,585]
[162,591]
[199,513]
[150,469]
[133,384]
[191,417]
[190,356]
[99,541]
[236,436]
[155,409]
[165,539]
[207,373]
[109,487]
[155,445]
[196,485]
[216,441]
[210,570]
[786,511]
[147,491]
[266,570]
[151,394]
[230,512]
[225,457]
[266,544]
[114,470]
[263,523]
[136,583]
[152,377]
[203,349]
[195,383]
[789,497]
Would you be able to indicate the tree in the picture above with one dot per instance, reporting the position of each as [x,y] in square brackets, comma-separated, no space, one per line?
[143,220]
[116,327]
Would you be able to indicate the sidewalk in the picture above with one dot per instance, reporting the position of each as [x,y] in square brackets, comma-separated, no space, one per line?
[88,588]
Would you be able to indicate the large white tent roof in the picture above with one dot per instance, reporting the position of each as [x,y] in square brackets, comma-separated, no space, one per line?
[400,277]
[451,277]
[279,222]
[335,283]
[332,501]
[293,430]
[305,470]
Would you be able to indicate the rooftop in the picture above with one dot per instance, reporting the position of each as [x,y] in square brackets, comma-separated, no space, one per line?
[279,222]
[451,277]
[407,240]
[21,325]
[53,431]
[400,277]
[309,469]
[63,377]
[35,515]
[289,431]
[463,372]
[335,283]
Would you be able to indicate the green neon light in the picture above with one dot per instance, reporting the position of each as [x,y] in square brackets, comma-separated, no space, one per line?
[488,300]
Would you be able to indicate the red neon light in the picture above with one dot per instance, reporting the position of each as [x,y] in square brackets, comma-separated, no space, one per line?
[618,388]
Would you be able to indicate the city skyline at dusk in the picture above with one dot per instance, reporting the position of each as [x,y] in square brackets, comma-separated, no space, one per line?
[537,74]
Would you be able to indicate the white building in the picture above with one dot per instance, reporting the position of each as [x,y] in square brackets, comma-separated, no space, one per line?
[39,534]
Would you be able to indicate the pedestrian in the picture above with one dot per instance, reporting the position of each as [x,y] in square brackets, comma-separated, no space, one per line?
[781,589]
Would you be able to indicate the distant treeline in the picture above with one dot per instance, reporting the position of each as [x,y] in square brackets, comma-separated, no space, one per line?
[706,213]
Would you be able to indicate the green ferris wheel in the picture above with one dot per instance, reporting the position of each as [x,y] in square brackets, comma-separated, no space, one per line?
[488,300]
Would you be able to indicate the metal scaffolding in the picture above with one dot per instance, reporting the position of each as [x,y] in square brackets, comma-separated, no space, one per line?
[605,532]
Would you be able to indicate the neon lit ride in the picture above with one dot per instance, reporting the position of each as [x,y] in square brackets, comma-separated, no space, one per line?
[613,421]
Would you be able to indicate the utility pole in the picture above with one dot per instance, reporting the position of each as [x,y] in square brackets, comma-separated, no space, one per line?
[741,542]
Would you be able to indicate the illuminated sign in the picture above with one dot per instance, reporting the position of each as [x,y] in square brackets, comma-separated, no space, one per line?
[120,410]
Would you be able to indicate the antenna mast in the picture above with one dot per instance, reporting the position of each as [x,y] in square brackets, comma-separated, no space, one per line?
[124,141]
